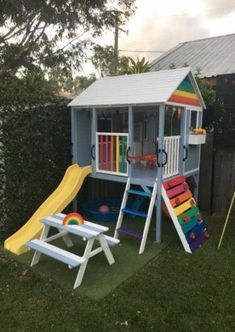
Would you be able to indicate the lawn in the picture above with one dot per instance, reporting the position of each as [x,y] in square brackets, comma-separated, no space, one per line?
[174,291]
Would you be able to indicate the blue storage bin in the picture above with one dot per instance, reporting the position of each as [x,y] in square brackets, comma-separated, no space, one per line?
[91,209]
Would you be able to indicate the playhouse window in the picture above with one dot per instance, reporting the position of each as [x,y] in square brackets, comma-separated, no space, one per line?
[194,119]
[172,121]
[115,120]
[104,125]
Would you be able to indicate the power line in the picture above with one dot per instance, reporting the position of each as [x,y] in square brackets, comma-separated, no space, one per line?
[143,51]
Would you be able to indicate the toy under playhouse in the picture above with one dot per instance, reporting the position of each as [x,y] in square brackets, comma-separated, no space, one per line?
[140,129]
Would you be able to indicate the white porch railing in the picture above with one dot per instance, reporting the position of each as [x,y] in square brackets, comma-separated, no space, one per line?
[172,147]
[111,153]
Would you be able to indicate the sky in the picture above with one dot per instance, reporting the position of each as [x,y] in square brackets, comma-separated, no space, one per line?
[159,25]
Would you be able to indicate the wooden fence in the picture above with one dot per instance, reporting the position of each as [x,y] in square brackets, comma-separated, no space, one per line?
[217,177]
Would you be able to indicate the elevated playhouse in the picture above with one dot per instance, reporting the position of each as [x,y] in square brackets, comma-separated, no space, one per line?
[143,130]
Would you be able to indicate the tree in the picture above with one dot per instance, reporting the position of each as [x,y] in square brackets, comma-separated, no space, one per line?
[103,61]
[80,83]
[139,66]
[212,112]
[32,30]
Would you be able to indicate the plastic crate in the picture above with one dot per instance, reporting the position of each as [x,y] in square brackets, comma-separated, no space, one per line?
[91,209]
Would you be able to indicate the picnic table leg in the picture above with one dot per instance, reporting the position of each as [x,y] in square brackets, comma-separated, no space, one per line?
[106,249]
[67,240]
[37,254]
[83,266]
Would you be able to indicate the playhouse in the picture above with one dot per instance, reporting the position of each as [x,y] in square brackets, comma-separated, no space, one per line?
[143,130]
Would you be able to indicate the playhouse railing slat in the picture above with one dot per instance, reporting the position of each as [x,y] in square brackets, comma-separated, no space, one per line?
[111,148]
[171,146]
[117,153]
[106,152]
[111,155]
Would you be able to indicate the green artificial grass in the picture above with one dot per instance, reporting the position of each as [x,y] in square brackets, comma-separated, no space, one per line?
[100,278]
[174,291]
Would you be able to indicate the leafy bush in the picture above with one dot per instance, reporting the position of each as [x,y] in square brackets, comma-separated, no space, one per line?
[34,150]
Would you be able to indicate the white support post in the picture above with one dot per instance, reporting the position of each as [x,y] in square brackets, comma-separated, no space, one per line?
[74,136]
[160,173]
[93,134]
[148,219]
[121,213]
[130,134]
[183,137]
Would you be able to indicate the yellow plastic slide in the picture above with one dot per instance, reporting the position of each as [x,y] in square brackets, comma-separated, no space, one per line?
[55,203]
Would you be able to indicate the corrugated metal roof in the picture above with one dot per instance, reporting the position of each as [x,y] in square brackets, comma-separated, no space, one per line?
[213,56]
[138,89]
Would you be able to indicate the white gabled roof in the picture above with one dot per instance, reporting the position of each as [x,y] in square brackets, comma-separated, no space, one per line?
[138,89]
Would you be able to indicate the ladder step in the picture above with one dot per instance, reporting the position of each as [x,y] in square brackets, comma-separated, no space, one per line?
[198,242]
[130,232]
[198,229]
[177,190]
[173,182]
[184,207]
[186,216]
[139,192]
[181,198]
[135,212]
[189,225]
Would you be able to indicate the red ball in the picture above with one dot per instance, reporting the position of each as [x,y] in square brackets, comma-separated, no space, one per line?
[104,209]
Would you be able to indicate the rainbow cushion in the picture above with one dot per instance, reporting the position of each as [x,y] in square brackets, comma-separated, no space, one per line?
[73,219]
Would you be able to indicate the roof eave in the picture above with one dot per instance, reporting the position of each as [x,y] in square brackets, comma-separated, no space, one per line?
[117,105]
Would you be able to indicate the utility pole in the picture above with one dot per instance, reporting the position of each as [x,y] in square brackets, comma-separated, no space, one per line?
[116,31]
[116,23]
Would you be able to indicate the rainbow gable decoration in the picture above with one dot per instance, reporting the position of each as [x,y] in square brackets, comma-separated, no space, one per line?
[73,219]
[185,94]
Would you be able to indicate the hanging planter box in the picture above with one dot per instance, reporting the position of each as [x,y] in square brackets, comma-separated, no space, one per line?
[196,139]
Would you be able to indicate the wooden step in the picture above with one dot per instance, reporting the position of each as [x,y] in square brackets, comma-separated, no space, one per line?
[56,253]
[139,193]
[198,242]
[187,215]
[181,198]
[184,207]
[189,225]
[198,229]
[174,182]
[135,212]
[177,190]
[131,232]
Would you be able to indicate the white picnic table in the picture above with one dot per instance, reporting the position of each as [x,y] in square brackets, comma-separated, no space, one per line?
[88,231]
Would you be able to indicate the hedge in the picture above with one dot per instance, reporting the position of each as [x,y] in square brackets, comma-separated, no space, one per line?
[34,154]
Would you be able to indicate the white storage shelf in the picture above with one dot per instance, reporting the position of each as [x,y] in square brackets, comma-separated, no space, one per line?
[196,139]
